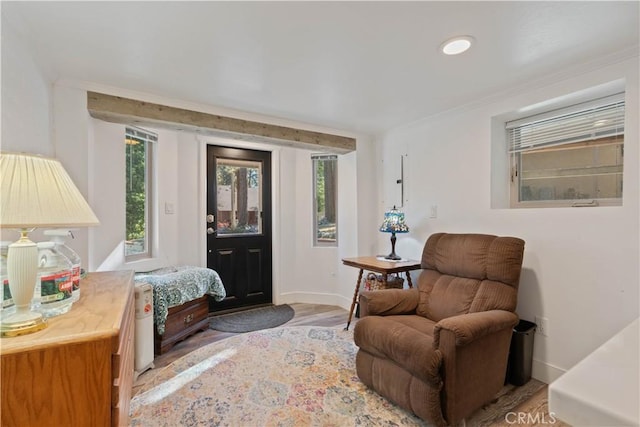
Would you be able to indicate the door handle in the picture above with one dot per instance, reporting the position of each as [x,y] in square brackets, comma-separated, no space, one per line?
[210,230]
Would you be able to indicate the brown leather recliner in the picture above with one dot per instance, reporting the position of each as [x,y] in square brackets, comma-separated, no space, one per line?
[440,349]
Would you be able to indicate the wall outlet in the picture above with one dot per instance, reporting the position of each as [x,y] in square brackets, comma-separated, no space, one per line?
[433,212]
[542,326]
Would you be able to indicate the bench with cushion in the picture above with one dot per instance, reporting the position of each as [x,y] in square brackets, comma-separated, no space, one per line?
[180,302]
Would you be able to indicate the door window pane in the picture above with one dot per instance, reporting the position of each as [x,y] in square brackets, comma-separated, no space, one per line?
[239,202]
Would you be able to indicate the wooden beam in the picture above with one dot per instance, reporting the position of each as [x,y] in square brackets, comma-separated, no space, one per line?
[140,113]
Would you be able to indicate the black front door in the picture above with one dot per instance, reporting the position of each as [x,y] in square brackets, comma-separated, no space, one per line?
[239,224]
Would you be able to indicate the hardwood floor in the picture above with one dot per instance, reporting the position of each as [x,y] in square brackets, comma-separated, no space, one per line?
[332,316]
[534,411]
[306,314]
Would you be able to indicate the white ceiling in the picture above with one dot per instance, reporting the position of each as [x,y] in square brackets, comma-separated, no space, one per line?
[357,66]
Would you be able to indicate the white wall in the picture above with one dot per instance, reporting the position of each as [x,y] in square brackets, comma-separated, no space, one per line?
[26,103]
[26,96]
[107,190]
[315,274]
[190,204]
[580,265]
[95,152]
[40,117]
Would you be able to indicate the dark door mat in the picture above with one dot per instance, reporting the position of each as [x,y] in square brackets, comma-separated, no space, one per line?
[253,320]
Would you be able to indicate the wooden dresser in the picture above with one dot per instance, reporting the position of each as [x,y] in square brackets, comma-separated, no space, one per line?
[79,370]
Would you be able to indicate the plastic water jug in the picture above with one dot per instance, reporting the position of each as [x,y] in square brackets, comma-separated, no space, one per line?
[54,287]
[58,237]
[7,300]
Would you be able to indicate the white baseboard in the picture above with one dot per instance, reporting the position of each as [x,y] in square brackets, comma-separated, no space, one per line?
[313,298]
[545,372]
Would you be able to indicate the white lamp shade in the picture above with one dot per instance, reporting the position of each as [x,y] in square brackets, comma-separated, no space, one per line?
[37,192]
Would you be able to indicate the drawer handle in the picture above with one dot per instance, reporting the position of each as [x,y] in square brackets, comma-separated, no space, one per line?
[188,319]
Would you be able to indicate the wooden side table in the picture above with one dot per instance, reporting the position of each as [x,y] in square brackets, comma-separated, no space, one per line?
[377,265]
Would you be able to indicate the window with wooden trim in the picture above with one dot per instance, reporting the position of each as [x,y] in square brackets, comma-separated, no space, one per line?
[139,154]
[573,156]
[325,199]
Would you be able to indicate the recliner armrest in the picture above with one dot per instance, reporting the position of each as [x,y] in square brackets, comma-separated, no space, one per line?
[474,348]
[387,302]
[469,327]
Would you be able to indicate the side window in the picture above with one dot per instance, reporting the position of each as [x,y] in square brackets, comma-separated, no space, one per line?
[569,157]
[139,155]
[325,197]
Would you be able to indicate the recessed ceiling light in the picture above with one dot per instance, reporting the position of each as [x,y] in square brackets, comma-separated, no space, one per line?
[456,45]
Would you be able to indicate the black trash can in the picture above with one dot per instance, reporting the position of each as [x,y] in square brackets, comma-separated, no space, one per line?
[521,353]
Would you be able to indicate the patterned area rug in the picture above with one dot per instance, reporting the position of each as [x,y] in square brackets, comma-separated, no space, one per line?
[292,376]
[253,320]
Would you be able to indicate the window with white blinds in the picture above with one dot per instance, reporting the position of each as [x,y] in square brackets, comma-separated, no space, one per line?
[569,157]
[588,121]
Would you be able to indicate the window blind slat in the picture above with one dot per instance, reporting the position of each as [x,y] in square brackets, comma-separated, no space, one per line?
[562,112]
[324,156]
[595,122]
[140,134]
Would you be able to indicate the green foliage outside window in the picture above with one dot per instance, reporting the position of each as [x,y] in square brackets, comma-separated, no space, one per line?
[240,179]
[325,191]
[137,211]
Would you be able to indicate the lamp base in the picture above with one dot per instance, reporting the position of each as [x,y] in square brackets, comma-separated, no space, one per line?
[21,322]
[392,255]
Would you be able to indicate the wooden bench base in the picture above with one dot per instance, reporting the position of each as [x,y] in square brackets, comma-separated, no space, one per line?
[182,322]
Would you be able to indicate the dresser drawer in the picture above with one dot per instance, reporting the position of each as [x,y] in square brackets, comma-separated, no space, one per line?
[188,314]
[123,362]
[126,334]
[183,321]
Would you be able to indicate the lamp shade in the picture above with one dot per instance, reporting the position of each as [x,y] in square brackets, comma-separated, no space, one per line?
[37,192]
[394,222]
